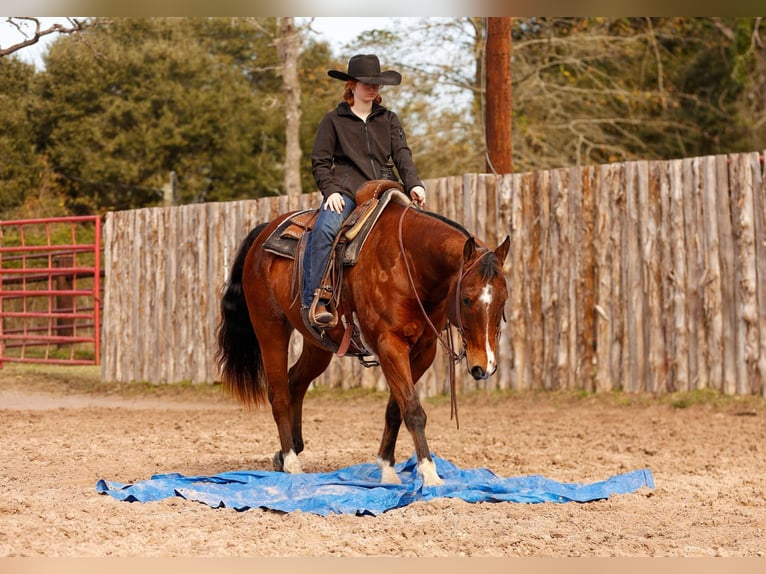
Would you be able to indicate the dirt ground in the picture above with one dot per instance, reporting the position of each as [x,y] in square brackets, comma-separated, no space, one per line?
[61,430]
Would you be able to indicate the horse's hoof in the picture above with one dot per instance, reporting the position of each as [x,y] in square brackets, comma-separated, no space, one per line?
[430,481]
[387,473]
[291,463]
[427,470]
[278,461]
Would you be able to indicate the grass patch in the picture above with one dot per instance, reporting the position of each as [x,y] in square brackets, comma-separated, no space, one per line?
[712,399]
[86,380]
[340,394]
[707,397]
[78,379]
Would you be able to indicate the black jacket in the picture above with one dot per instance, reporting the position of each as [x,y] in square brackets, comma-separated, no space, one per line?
[348,151]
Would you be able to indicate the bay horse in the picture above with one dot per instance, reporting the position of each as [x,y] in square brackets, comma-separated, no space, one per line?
[418,272]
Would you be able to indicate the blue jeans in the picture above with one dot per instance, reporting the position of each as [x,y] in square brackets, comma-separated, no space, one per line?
[319,245]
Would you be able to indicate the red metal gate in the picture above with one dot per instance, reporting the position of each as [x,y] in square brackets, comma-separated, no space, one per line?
[50,290]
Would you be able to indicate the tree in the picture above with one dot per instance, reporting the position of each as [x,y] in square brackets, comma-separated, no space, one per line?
[118,115]
[597,90]
[498,95]
[32,30]
[18,159]
[126,101]
[288,45]
[583,87]
[742,41]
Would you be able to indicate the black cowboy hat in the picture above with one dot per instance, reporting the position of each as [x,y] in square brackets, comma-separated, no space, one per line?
[366,68]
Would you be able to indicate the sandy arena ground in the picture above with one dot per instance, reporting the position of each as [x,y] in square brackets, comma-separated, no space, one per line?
[62,430]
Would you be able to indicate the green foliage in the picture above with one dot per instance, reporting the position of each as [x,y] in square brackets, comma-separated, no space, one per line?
[117,115]
[17,152]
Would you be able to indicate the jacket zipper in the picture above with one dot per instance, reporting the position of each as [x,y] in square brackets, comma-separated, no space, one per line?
[369,148]
[367,137]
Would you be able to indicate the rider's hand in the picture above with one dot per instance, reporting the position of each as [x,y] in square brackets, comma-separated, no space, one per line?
[335,202]
[418,195]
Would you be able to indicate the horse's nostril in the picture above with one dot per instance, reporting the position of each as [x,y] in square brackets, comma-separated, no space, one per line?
[478,373]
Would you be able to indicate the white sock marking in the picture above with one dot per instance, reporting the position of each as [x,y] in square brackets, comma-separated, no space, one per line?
[387,473]
[291,463]
[427,470]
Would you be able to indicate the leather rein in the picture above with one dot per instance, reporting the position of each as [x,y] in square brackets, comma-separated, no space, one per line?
[445,340]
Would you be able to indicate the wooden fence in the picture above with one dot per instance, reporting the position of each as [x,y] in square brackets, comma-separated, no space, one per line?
[640,276]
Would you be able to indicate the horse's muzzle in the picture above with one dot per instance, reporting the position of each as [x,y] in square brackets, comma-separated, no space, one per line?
[479,373]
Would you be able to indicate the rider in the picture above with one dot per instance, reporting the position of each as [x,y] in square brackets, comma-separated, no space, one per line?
[358,141]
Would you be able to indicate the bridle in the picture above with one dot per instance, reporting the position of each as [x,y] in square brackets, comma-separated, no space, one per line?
[445,339]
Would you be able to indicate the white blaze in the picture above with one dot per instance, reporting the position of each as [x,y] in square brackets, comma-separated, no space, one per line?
[486,295]
[486,298]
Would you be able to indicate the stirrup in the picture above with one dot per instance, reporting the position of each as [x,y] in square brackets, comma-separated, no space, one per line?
[329,306]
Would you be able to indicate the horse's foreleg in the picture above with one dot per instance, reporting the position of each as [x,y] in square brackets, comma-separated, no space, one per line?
[394,360]
[386,457]
[420,360]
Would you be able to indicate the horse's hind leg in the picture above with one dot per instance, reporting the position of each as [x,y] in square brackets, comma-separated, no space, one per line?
[275,338]
[312,363]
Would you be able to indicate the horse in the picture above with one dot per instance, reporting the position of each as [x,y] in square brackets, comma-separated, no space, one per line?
[419,273]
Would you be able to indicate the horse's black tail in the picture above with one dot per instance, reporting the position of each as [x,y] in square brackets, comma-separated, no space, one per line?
[239,354]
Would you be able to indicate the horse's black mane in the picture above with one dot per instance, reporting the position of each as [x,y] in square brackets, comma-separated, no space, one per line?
[489,267]
[448,221]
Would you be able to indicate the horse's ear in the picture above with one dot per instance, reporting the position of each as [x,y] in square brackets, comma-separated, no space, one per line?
[502,251]
[469,249]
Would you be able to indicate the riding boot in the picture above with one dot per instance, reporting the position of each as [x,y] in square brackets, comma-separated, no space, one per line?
[322,313]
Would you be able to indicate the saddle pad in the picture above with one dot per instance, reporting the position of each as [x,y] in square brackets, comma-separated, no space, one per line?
[284,239]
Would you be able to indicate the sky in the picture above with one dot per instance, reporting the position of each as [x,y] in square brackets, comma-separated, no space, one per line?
[335,30]
[339,31]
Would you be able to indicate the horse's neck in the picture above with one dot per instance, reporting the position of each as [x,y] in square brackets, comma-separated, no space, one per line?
[444,253]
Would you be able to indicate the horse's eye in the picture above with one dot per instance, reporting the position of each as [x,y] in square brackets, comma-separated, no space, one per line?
[467,301]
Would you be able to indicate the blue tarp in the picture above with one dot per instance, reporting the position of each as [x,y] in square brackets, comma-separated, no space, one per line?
[357,489]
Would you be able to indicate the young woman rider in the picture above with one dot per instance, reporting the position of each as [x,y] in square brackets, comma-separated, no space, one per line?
[360,140]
